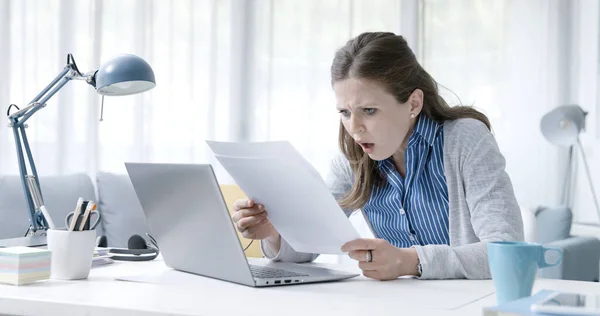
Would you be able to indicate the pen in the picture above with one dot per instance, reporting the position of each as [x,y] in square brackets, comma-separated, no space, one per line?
[47,216]
[84,219]
[84,206]
[76,213]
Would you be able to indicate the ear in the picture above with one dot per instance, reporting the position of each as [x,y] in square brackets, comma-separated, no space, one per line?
[415,100]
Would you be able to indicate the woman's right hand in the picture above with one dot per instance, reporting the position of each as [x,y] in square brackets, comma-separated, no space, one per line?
[251,220]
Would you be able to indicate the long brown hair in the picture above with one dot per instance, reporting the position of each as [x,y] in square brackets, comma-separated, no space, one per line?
[386,58]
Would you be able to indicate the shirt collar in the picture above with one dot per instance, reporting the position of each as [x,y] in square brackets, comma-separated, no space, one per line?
[426,129]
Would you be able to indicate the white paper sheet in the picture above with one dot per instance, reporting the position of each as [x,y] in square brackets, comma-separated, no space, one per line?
[299,205]
[276,149]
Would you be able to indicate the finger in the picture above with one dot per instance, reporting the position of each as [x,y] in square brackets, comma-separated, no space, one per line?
[253,211]
[246,212]
[242,203]
[360,244]
[372,274]
[239,229]
[358,255]
[368,266]
[248,222]
[250,233]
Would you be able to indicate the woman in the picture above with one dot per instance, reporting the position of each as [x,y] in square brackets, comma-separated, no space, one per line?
[429,178]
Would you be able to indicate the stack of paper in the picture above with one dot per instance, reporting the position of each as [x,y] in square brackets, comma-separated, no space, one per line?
[101,257]
[298,202]
[21,265]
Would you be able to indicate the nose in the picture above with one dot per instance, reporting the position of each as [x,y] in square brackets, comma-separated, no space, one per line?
[356,126]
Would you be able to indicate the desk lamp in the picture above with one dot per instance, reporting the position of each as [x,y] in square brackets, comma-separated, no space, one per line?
[562,127]
[123,75]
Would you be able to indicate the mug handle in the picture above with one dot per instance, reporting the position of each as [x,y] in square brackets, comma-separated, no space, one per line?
[544,264]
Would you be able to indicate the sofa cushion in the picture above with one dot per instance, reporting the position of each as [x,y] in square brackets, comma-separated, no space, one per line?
[529,223]
[60,196]
[122,214]
[553,223]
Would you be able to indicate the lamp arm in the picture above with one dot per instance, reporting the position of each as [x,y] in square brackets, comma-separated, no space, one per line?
[68,68]
[34,103]
[17,123]
[33,218]
[42,103]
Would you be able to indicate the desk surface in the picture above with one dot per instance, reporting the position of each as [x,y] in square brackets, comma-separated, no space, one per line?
[101,294]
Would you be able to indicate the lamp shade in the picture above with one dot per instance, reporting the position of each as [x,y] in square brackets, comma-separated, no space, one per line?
[562,125]
[124,75]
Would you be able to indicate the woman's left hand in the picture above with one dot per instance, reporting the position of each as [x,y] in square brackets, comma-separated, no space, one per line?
[387,261]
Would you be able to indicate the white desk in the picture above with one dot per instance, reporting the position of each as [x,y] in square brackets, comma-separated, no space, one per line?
[102,295]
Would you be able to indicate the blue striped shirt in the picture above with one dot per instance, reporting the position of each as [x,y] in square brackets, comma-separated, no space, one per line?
[413,210]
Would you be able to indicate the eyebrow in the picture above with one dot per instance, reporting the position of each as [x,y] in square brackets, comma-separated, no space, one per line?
[361,107]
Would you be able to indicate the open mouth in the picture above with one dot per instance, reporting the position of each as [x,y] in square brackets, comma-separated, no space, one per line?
[367,147]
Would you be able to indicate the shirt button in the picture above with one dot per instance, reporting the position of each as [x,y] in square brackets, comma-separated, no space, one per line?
[402,211]
[412,237]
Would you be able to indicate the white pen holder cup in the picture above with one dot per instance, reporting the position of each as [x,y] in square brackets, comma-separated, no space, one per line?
[72,253]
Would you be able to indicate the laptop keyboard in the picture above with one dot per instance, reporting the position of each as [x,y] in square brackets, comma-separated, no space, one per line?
[262,272]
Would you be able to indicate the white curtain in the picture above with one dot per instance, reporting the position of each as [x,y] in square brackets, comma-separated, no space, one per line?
[186,42]
[506,58]
[293,46]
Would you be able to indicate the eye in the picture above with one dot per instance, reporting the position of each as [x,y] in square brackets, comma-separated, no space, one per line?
[370,111]
[344,113]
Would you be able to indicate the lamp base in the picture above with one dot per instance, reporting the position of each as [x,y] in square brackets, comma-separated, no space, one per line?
[30,241]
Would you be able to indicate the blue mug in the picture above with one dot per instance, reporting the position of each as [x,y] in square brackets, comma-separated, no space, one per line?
[514,266]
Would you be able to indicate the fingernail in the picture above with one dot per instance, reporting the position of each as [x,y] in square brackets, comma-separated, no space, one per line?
[261,207]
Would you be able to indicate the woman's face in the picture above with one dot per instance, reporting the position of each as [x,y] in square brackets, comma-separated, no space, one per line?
[374,118]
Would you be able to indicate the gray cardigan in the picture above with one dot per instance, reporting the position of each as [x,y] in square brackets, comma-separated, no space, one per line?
[482,205]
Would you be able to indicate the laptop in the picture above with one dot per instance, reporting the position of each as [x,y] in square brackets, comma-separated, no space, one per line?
[188,217]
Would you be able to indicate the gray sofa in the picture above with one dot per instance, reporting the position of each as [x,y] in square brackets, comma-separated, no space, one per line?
[121,212]
[581,255]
